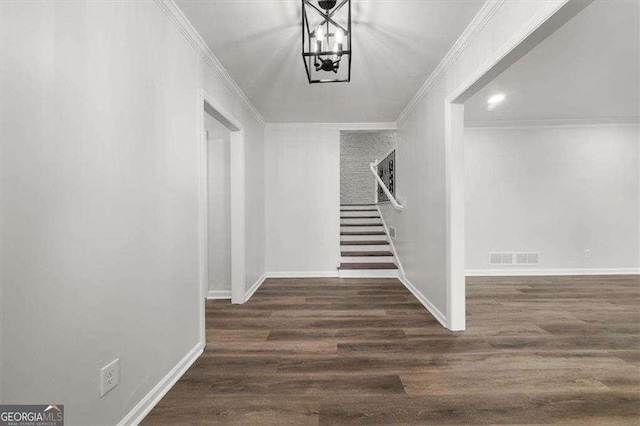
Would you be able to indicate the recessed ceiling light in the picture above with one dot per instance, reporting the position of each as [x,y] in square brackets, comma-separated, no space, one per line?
[496,99]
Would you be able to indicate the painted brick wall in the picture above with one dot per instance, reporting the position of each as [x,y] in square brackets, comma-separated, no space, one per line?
[357,150]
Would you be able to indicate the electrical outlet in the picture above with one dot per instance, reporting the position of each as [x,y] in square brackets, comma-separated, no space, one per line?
[109,376]
[587,253]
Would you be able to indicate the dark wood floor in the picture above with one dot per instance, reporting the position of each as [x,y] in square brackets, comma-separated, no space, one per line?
[362,351]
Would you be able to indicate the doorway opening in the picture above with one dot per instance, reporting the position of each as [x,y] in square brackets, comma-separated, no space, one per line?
[221,205]
[523,172]
[218,139]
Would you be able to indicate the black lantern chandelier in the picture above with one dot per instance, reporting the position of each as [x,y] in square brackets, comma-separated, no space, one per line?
[326,40]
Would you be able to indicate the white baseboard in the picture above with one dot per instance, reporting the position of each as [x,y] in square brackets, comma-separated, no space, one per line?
[254,287]
[304,274]
[535,272]
[138,413]
[219,294]
[442,319]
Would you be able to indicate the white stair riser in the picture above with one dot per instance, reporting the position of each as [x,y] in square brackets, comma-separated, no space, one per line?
[368,273]
[381,247]
[359,221]
[361,228]
[363,237]
[355,213]
[366,259]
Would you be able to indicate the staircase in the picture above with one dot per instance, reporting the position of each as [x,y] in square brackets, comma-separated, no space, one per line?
[364,244]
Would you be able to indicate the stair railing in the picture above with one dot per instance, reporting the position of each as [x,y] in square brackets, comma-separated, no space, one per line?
[374,169]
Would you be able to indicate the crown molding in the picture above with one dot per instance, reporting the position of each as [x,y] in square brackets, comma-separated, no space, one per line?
[551,123]
[174,13]
[367,126]
[371,127]
[481,19]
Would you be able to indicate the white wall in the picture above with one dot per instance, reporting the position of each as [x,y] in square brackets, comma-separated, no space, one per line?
[553,190]
[219,226]
[99,164]
[302,184]
[421,242]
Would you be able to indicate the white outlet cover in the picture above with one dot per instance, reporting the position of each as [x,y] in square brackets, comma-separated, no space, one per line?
[109,376]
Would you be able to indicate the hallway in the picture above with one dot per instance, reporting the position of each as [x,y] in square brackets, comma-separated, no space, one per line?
[365,351]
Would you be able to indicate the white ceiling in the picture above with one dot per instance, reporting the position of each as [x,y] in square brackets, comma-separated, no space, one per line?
[396,45]
[587,69]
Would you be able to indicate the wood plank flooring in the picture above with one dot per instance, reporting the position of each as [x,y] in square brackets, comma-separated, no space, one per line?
[364,351]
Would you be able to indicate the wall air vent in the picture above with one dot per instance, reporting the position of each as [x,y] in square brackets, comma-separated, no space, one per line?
[392,232]
[514,258]
[500,258]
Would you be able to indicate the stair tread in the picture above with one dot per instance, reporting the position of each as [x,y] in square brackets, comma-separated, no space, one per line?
[358,210]
[363,233]
[384,265]
[363,243]
[355,205]
[359,217]
[366,253]
[360,224]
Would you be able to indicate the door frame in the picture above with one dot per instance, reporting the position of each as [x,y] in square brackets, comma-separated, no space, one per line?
[553,16]
[208,105]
